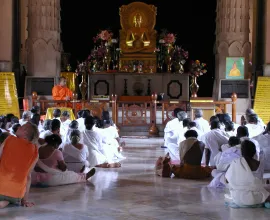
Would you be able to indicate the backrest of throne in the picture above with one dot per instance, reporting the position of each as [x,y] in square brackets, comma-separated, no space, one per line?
[127,13]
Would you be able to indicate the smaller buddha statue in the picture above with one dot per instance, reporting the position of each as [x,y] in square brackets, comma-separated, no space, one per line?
[137,37]
[234,71]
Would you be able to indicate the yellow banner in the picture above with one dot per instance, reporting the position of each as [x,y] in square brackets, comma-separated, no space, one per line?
[262,98]
[71,80]
[8,94]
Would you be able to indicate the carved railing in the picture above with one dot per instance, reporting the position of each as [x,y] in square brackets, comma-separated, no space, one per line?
[132,113]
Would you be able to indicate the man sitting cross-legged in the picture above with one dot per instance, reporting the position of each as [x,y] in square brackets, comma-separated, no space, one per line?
[245,188]
[191,152]
[18,156]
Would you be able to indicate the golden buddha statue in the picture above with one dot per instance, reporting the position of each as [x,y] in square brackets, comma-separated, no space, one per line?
[234,71]
[138,36]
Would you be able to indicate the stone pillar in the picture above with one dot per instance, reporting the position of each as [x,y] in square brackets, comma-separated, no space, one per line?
[6,30]
[44,43]
[232,39]
[267,38]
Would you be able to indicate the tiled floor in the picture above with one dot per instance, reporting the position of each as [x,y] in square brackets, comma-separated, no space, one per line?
[132,192]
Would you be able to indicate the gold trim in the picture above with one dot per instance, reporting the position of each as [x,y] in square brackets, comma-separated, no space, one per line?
[207,101]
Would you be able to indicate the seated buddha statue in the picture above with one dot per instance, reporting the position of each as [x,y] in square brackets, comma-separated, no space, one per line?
[137,37]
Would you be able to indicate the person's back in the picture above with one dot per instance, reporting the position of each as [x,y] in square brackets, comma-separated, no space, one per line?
[245,188]
[194,155]
[15,168]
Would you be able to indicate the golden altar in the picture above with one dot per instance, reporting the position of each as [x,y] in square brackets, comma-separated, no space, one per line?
[138,37]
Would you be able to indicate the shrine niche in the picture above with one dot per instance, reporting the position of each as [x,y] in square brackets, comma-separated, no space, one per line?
[138,37]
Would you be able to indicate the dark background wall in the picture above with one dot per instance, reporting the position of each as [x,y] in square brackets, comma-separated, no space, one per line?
[192,20]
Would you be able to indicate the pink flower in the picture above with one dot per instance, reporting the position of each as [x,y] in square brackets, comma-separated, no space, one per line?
[105,35]
[169,38]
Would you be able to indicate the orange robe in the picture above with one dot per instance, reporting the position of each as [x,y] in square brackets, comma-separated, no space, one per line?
[60,92]
[18,157]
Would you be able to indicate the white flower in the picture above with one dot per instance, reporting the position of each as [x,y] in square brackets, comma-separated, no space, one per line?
[118,49]
[114,41]
[161,41]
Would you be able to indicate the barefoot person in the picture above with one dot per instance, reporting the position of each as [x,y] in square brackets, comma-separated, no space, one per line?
[100,154]
[51,169]
[15,179]
[191,152]
[246,189]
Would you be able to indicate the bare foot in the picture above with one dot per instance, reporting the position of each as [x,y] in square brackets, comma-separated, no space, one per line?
[90,173]
[26,203]
[114,165]
[3,204]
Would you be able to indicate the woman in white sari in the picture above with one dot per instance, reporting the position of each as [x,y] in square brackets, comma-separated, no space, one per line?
[246,190]
[75,154]
[100,154]
[51,169]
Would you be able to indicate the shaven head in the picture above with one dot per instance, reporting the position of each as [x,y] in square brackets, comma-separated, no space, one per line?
[62,81]
[29,132]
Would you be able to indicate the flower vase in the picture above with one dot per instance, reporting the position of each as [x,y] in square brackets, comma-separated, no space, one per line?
[107,59]
[83,86]
[194,87]
[168,59]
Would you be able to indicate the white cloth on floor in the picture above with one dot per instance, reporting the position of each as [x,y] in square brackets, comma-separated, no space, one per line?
[244,187]
[74,158]
[213,141]
[202,125]
[56,177]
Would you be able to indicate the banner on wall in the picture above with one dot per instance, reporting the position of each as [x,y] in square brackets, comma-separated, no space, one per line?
[262,98]
[8,94]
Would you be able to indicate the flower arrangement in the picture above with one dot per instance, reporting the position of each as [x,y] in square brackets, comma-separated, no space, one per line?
[103,37]
[179,55]
[197,68]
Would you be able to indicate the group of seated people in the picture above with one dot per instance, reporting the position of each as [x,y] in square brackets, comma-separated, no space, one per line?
[236,156]
[55,152]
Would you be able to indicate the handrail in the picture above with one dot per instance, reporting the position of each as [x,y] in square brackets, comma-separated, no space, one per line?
[166,106]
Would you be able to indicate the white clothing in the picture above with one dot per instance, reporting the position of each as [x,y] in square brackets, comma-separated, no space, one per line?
[81,126]
[230,133]
[94,143]
[223,161]
[198,132]
[174,132]
[173,150]
[264,144]
[44,134]
[22,122]
[213,141]
[202,125]
[57,177]
[254,129]
[245,188]
[64,127]
[74,158]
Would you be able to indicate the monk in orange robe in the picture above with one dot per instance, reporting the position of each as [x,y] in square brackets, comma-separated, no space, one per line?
[18,157]
[61,92]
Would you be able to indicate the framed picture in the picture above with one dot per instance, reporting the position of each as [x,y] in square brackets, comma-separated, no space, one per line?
[235,67]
